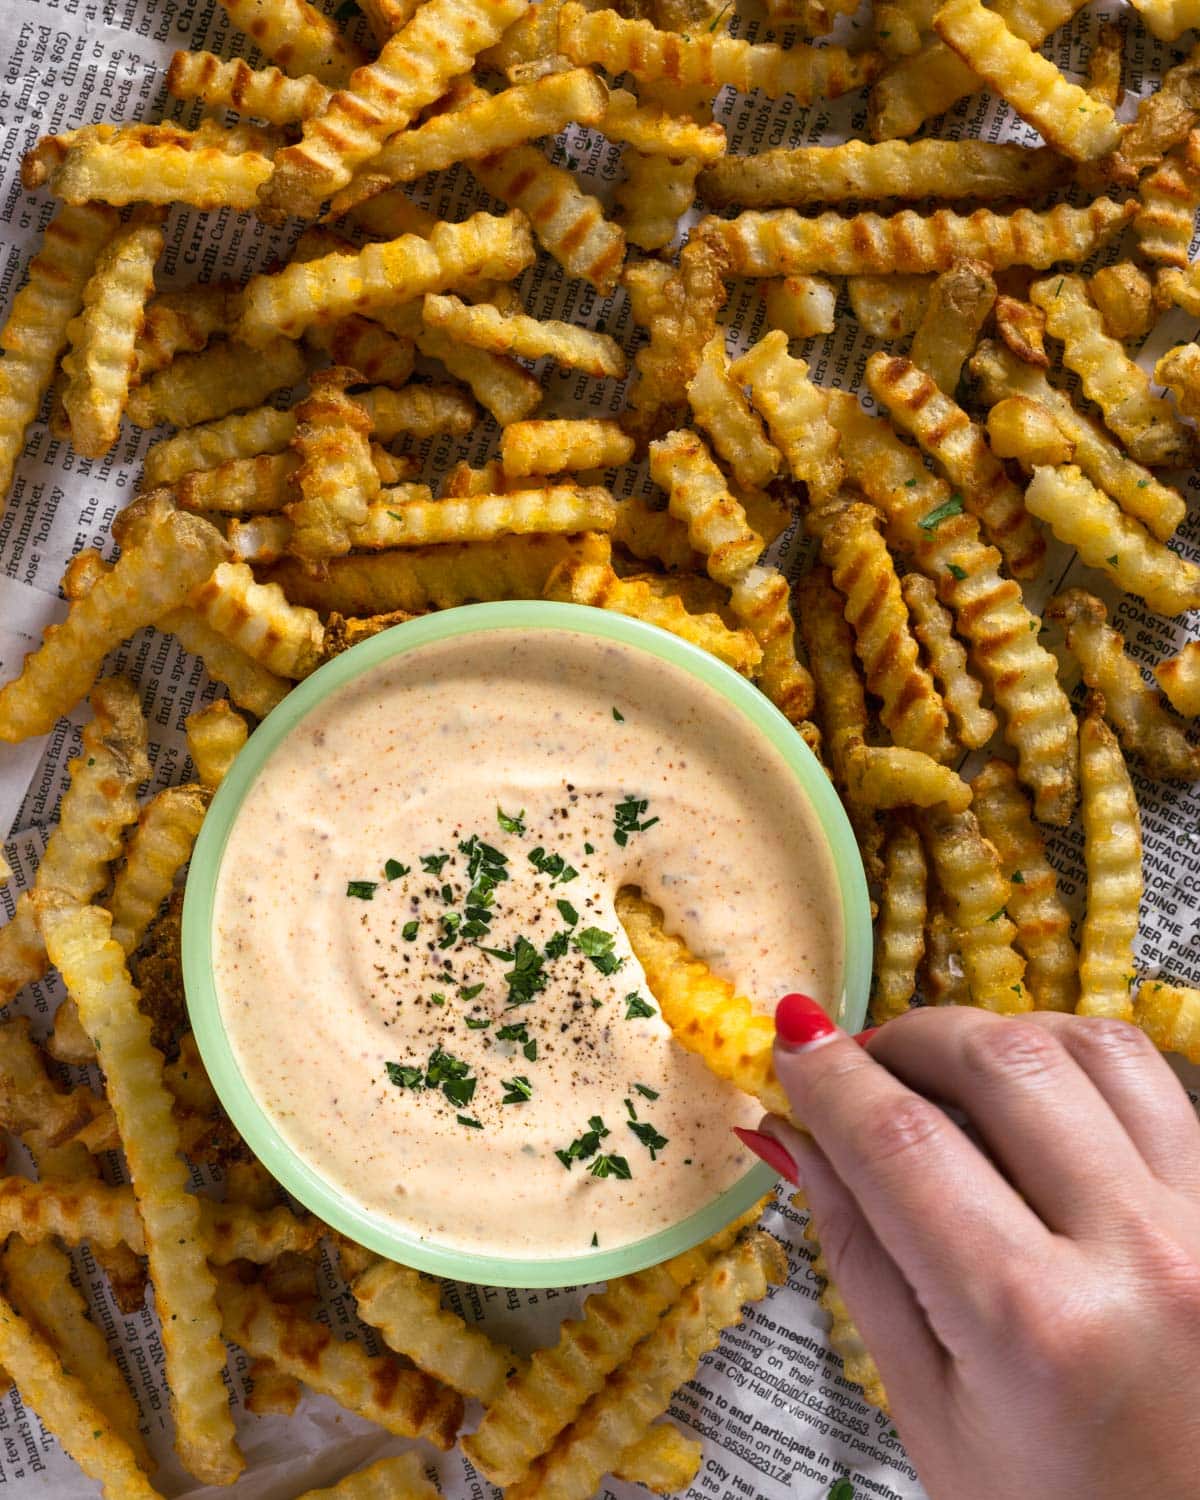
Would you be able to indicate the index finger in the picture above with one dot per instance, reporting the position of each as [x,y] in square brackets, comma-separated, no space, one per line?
[935,1202]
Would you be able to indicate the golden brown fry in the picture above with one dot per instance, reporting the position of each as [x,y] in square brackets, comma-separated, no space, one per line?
[265,93]
[1179,371]
[800,306]
[663,1461]
[92,965]
[653,196]
[1023,328]
[220,379]
[1112,851]
[968,871]
[1132,486]
[259,619]
[960,300]
[1146,424]
[889,307]
[1106,65]
[1135,710]
[697,494]
[418,411]
[486,327]
[989,611]
[483,518]
[1034,904]
[336,480]
[653,131]
[761,599]
[1125,297]
[363,346]
[655,535]
[401,1478]
[129,172]
[959,448]
[1164,117]
[155,853]
[782,242]
[182,322]
[795,412]
[862,569]
[1168,19]
[1179,678]
[250,685]
[300,38]
[243,486]
[845,1340]
[879,776]
[942,979]
[1169,1014]
[246,435]
[1106,538]
[900,931]
[1022,428]
[841,702]
[719,406]
[504,387]
[562,446]
[933,628]
[1169,197]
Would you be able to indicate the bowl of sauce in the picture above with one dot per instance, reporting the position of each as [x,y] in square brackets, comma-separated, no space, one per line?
[403,962]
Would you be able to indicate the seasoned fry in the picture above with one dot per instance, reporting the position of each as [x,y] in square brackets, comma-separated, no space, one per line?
[781,242]
[1106,538]
[100,361]
[258,619]
[250,685]
[1125,297]
[968,871]
[147,581]
[181,323]
[1179,678]
[265,93]
[562,446]
[1164,117]
[1169,1014]
[482,518]
[500,384]
[401,1478]
[800,306]
[680,311]
[336,480]
[1146,424]
[900,931]
[223,378]
[989,611]
[1042,921]
[1169,197]
[653,131]
[892,776]
[1021,428]
[300,38]
[398,270]
[655,535]
[156,851]
[795,412]
[841,702]
[697,495]
[960,300]
[418,411]
[1168,19]
[402,1401]
[92,965]
[1023,328]
[719,406]
[1112,851]
[1106,64]
[363,346]
[241,487]
[705,1013]
[664,1460]
[1179,370]
[889,307]
[1068,117]
[959,448]
[486,327]
[1133,487]
[655,194]
[942,979]
[1135,710]
[761,599]
[246,435]
[910,170]
[862,569]
[844,1338]
[128,172]
[933,628]
[38,320]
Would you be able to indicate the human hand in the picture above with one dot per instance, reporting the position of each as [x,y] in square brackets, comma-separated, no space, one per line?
[1032,1301]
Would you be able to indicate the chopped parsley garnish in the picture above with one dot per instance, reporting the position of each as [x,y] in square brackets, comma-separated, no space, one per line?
[519,1033]
[409,931]
[627,819]
[595,1242]
[437,998]
[940,513]
[618,715]
[433,864]
[589,849]
[469,1120]
[511,823]
[567,912]
[716,20]
[611,1166]
[910,484]
[553,865]
[1112,561]
[649,1137]
[449,924]
[478,1023]
[996,915]
[1018,878]
[956,571]
[596,944]
[636,1008]
[519,1089]
[393,869]
[526,978]
[363,889]
[557,946]
[629,1106]
[404,1077]
[451,1075]
[584,1145]
[468,992]
[645,1091]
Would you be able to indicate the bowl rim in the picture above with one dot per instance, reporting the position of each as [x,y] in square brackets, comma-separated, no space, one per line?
[300,1179]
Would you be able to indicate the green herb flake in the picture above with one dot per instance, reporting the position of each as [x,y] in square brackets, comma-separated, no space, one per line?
[409,931]
[636,1008]
[589,849]
[618,715]
[840,1489]
[996,915]
[649,1137]
[363,889]
[595,1242]
[1142,483]
[629,817]
[716,20]
[557,946]
[940,513]
[469,991]
[611,1166]
[597,945]
[393,869]
[1059,287]
[405,1077]
[910,484]
[1112,561]
[519,1089]
[585,1145]
[956,571]
[530,1050]
[433,864]
[553,865]
[526,978]
[437,998]
[1018,878]
[567,912]
[470,1121]
[395,514]
[645,1091]
[511,822]
[478,1023]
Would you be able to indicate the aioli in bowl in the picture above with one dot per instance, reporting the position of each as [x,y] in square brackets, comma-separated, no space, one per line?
[418,965]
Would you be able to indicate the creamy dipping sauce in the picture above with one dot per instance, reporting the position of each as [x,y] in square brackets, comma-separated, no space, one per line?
[418,960]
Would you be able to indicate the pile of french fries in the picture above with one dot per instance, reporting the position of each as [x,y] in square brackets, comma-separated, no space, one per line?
[286,518]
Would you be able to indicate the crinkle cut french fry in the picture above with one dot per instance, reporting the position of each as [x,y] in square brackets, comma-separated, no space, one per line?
[483,518]
[226,376]
[414,67]
[622,1411]
[1169,197]
[1068,117]
[1159,507]
[959,448]
[1021,428]
[1106,65]
[421,578]
[761,600]
[1164,117]
[960,300]
[381,274]
[262,539]
[99,364]
[120,173]
[719,406]
[795,413]
[144,584]
[266,93]
[1169,1014]
[989,610]
[841,702]
[39,165]
[653,196]
[156,851]
[681,314]
[933,628]
[900,931]
[36,330]
[884,776]
[663,1461]
[1179,370]
[1179,678]
[378,356]
[942,980]
[1135,710]
[418,411]
[782,242]
[1112,852]
[69,1410]
[1146,424]
[300,38]
[654,535]
[1107,539]
[241,487]
[800,306]
[182,322]
[342,633]
[1043,923]
[241,436]
[652,56]
[486,123]
[250,685]
[486,327]
[1168,19]
[889,307]
[698,495]
[863,572]
[336,480]
[406,1309]
[401,1478]
[913,170]
[653,131]
[968,871]
[259,619]
[705,1013]
[93,968]
[1125,296]
[402,1401]
[500,385]
[558,447]
[929,82]
[858,1365]
[1023,329]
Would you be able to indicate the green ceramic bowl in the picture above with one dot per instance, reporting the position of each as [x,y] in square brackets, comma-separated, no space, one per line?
[323,1196]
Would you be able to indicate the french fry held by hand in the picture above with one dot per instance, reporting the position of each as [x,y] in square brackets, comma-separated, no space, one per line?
[1112,849]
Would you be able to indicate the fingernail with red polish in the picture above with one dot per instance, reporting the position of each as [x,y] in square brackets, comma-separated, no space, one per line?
[800,1022]
[864,1037]
[768,1149]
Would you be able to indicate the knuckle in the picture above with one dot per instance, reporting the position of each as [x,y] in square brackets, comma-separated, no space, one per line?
[1111,1041]
[1015,1050]
[900,1130]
